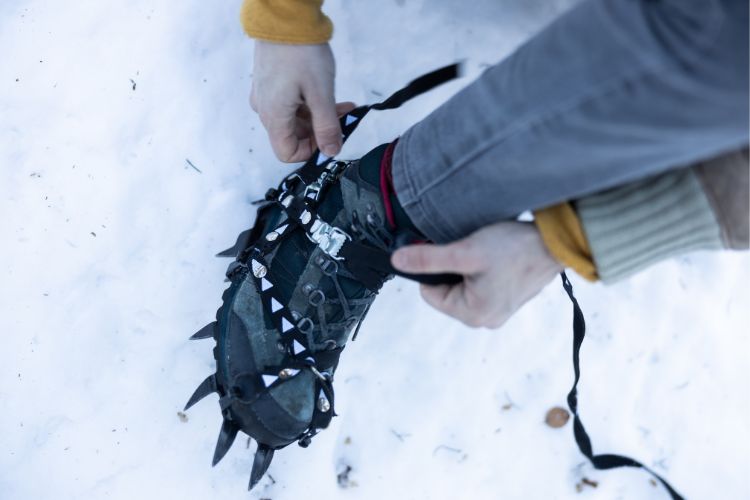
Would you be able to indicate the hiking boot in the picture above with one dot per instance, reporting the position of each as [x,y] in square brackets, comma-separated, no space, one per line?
[303,281]
[301,286]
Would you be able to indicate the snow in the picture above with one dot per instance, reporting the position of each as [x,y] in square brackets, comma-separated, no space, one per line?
[107,267]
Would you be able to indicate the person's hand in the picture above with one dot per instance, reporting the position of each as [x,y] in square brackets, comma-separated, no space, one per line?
[504,265]
[293,94]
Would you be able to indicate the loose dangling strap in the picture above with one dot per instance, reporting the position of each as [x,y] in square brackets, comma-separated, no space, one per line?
[601,462]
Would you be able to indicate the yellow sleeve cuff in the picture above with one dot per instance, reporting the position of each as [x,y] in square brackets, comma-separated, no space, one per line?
[563,235]
[286,21]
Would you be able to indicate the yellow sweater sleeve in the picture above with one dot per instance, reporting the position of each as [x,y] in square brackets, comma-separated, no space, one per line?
[286,21]
[563,235]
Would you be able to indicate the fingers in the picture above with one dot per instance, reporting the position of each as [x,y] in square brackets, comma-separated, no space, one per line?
[292,137]
[325,122]
[459,257]
[437,297]
[343,108]
[287,146]
[280,121]
[504,266]
[459,302]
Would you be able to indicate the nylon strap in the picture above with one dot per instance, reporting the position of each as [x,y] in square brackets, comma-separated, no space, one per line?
[369,264]
[310,171]
[607,461]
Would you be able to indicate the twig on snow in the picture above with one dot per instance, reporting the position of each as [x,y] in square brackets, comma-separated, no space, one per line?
[192,165]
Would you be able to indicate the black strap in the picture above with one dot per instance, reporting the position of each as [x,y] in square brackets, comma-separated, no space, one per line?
[601,462]
[349,122]
[370,265]
[419,86]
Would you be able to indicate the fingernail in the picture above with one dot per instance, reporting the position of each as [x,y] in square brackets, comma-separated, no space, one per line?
[330,149]
[398,259]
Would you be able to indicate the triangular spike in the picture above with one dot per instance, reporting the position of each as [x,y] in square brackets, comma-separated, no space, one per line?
[207,387]
[235,249]
[265,284]
[263,457]
[226,438]
[275,305]
[269,379]
[286,325]
[204,333]
[297,347]
[322,158]
[350,119]
[281,229]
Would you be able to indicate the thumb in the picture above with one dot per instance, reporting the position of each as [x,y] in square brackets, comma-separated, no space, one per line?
[325,122]
[456,257]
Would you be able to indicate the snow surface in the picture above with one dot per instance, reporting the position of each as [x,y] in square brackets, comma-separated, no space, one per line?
[107,267]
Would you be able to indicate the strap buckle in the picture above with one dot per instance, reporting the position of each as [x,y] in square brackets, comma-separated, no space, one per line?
[331,173]
[330,239]
[312,191]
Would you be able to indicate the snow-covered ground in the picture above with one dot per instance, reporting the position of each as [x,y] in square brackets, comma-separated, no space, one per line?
[106,267]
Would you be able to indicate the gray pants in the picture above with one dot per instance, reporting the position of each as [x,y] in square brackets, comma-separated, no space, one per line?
[611,92]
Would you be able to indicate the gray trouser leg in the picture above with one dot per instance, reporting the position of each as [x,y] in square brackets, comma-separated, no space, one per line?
[611,92]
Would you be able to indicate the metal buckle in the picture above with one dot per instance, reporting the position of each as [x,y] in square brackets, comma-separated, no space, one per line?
[330,239]
[331,172]
[312,191]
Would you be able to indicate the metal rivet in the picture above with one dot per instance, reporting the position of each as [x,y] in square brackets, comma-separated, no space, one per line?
[259,270]
[323,404]
[285,373]
[272,236]
[309,287]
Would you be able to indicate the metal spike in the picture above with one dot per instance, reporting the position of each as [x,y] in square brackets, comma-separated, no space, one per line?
[226,438]
[204,333]
[263,457]
[235,249]
[207,387]
[259,270]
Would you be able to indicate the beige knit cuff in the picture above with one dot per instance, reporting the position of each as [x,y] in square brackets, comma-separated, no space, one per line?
[634,226]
